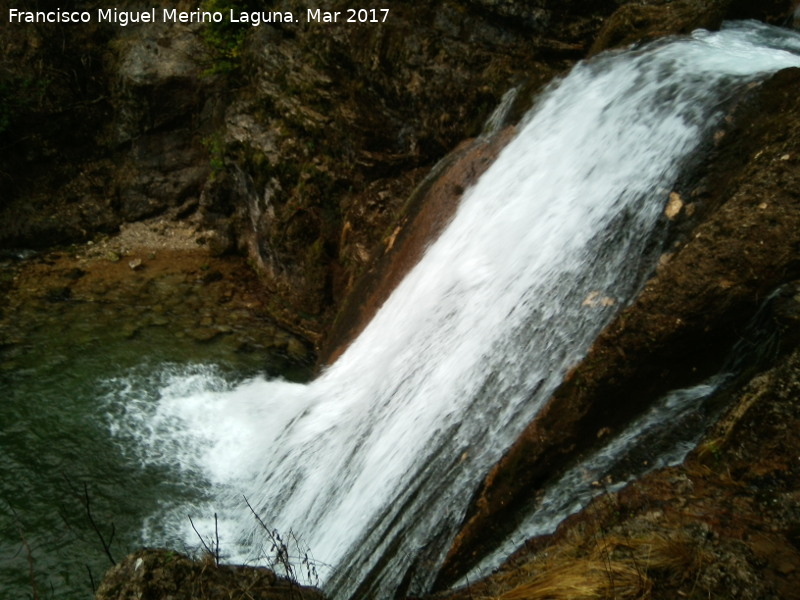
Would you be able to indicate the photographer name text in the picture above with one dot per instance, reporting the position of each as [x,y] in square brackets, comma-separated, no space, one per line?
[123,18]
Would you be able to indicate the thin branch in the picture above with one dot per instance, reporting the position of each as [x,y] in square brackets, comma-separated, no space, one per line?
[216,535]
[200,537]
[106,545]
[91,579]
[86,501]
[279,547]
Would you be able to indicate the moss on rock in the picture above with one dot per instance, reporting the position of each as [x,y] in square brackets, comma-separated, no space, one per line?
[167,575]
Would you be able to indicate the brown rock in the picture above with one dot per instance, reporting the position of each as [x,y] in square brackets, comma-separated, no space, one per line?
[167,574]
[637,22]
[722,525]
[427,213]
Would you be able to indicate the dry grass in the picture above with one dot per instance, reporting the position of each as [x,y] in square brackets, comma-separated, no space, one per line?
[583,579]
[613,568]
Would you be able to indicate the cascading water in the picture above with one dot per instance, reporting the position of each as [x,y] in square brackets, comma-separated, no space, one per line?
[662,436]
[372,464]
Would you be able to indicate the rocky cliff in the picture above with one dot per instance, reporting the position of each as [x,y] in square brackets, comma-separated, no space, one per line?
[297,142]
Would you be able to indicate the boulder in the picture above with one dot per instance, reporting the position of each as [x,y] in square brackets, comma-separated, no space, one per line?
[166,574]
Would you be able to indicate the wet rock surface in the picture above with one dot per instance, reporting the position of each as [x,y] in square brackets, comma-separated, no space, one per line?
[302,157]
[165,574]
[643,21]
[722,525]
[311,132]
[426,214]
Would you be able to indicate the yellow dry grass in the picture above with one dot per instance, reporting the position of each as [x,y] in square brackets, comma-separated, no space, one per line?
[583,579]
[614,568]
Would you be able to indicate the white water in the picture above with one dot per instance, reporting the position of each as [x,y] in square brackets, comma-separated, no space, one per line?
[660,437]
[374,462]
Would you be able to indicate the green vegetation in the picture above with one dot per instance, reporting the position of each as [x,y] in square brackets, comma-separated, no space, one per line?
[216,152]
[226,39]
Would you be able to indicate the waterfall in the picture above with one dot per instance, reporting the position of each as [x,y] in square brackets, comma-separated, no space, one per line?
[372,464]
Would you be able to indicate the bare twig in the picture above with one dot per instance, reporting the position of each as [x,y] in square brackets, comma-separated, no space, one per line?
[216,536]
[106,545]
[208,550]
[85,499]
[279,548]
[91,579]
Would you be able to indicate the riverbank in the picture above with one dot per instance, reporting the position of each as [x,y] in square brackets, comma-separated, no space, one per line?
[158,273]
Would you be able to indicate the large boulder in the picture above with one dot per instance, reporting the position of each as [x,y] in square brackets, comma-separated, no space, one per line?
[637,22]
[163,574]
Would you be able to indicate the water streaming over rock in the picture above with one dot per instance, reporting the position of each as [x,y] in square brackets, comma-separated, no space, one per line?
[372,464]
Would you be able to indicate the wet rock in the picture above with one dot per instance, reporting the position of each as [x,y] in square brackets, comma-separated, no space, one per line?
[636,22]
[427,212]
[58,294]
[211,277]
[129,330]
[75,273]
[167,574]
[219,243]
[203,334]
[674,206]
[727,518]
[786,311]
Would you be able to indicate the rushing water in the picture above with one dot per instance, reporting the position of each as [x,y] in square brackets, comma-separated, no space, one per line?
[371,465]
[662,436]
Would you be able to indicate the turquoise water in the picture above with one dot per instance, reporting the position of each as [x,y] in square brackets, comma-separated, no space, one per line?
[66,366]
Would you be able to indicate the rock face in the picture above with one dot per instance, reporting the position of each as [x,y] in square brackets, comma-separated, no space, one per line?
[642,21]
[299,143]
[722,525]
[333,127]
[425,215]
[103,134]
[166,574]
